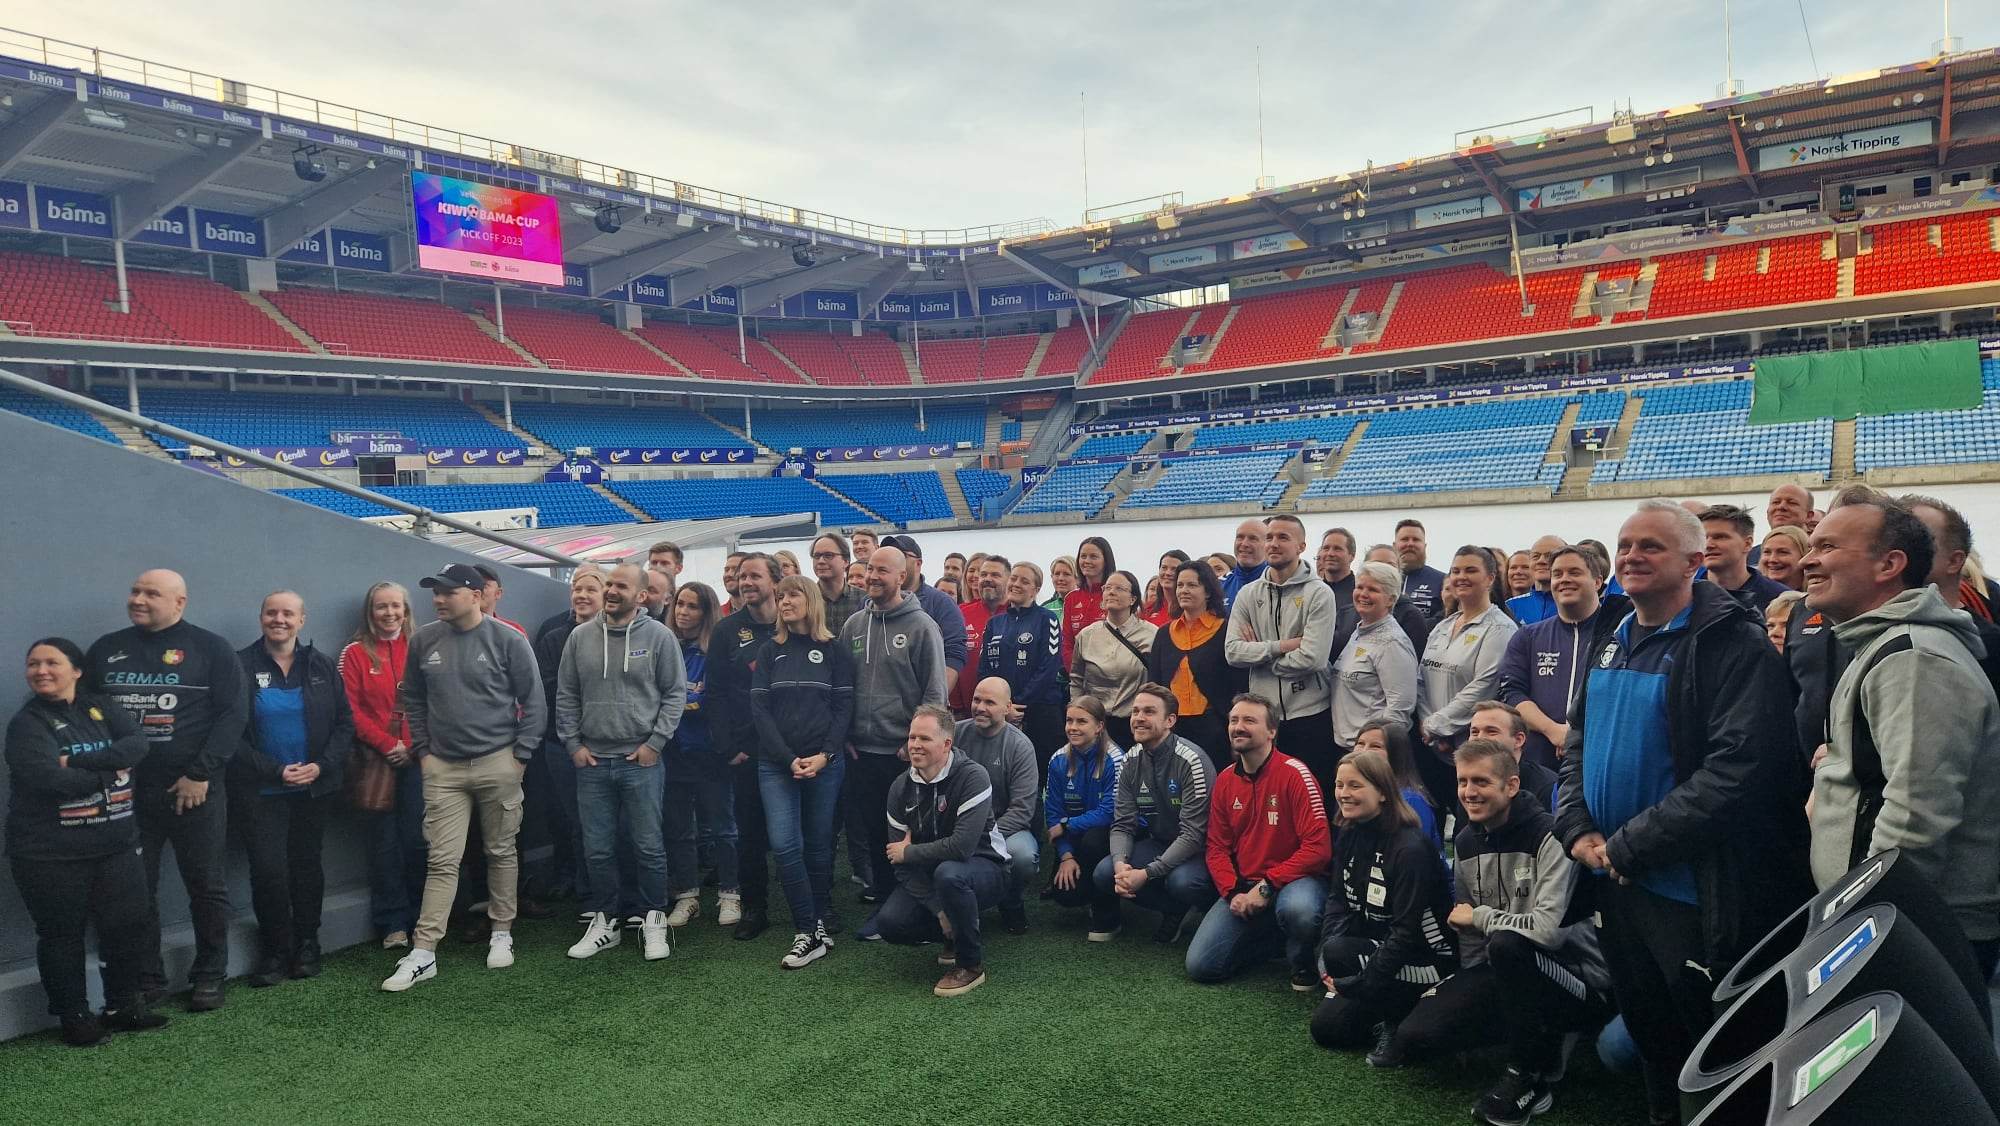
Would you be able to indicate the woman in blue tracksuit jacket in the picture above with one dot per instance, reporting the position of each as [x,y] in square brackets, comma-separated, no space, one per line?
[1077,809]
[699,788]
[1022,645]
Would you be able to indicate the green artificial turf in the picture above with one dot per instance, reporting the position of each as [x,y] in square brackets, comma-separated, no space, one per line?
[1063,1031]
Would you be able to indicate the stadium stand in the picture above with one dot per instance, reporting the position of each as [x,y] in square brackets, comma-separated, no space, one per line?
[42,295]
[701,499]
[1280,329]
[1927,252]
[878,357]
[1010,430]
[706,354]
[817,354]
[1599,407]
[1140,351]
[1478,302]
[1933,437]
[869,425]
[1067,348]
[262,418]
[1475,446]
[567,426]
[67,417]
[1202,480]
[558,503]
[1326,430]
[1746,275]
[977,360]
[404,328]
[201,312]
[898,497]
[1071,488]
[577,342]
[979,484]
[1107,445]
[1703,430]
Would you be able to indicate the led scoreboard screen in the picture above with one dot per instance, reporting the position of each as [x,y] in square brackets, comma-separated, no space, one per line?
[484,231]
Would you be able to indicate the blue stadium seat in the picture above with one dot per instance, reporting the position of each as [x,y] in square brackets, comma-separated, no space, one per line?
[560,503]
[897,497]
[978,484]
[1600,407]
[736,496]
[868,424]
[609,426]
[1071,488]
[1112,445]
[1212,480]
[1500,445]
[1327,430]
[1703,430]
[1933,437]
[55,414]
[262,418]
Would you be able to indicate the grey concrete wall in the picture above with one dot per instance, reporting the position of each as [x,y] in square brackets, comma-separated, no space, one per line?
[79,519]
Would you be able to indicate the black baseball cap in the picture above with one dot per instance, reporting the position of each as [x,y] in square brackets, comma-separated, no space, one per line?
[905,544]
[457,576]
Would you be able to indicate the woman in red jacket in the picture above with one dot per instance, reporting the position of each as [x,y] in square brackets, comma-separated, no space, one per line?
[371,668]
[1085,604]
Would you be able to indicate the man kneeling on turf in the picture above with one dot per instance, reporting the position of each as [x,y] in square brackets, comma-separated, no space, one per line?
[1523,975]
[949,859]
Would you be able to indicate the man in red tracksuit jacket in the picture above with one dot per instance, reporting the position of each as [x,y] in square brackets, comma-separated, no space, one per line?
[1268,852]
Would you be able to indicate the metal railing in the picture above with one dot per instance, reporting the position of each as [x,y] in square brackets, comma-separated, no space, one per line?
[195,84]
[424,516]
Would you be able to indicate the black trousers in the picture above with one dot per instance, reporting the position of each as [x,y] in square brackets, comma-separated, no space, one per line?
[282,834]
[867,789]
[65,896]
[1349,1020]
[753,841]
[1119,728]
[1308,738]
[199,838]
[1209,732]
[1090,848]
[1043,725]
[1653,945]
[1518,996]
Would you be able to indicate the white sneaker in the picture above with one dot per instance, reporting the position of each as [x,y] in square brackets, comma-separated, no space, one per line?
[729,908]
[654,932]
[500,950]
[601,934]
[411,968]
[686,910]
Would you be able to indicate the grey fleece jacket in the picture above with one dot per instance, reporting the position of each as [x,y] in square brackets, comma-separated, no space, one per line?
[898,665]
[1915,681]
[1009,761]
[1267,613]
[1462,668]
[620,688]
[472,693]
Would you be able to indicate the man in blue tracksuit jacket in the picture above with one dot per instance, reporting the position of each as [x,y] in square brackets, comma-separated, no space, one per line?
[1249,562]
[1022,645]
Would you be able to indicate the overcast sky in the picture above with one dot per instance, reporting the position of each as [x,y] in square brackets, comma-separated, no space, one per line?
[942,115]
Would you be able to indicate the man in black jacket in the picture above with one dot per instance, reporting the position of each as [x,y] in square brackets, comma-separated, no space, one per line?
[552,767]
[732,646]
[184,686]
[1681,787]
[1335,567]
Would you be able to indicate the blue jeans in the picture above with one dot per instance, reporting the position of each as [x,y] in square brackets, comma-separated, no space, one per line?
[1024,862]
[701,807]
[397,856]
[799,818]
[1225,945]
[620,796]
[1186,888]
[963,889]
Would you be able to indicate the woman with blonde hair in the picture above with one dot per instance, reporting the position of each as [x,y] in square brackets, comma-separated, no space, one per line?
[371,670]
[1783,549]
[788,564]
[802,701]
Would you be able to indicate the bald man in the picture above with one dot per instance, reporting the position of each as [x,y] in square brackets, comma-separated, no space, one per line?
[1789,506]
[1249,561]
[184,687]
[1538,604]
[1009,761]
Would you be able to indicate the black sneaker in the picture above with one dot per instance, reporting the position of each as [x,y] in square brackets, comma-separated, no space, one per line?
[1305,981]
[134,1018]
[751,925]
[806,949]
[206,997]
[271,970]
[1385,1053]
[1170,927]
[1515,1099]
[307,962]
[1014,919]
[81,1030]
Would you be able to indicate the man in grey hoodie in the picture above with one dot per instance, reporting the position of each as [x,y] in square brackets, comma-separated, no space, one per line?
[1009,761]
[898,666]
[620,692]
[1913,720]
[1280,629]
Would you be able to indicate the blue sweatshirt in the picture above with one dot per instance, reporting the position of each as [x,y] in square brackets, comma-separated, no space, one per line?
[1084,800]
[1023,646]
[1532,607]
[692,738]
[1239,577]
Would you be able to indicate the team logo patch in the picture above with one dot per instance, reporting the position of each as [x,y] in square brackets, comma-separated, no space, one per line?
[638,652]
[1609,655]
[745,637]
[172,657]
[1025,639]
[1272,801]
[96,714]
[434,659]
[900,640]
[816,657]
[263,680]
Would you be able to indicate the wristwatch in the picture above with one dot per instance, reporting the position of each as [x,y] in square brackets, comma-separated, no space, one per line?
[1267,889]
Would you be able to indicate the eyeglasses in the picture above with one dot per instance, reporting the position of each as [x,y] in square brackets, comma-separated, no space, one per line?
[826,555]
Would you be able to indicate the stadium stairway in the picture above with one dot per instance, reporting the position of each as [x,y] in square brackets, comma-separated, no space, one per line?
[284,322]
[1381,325]
[1576,479]
[550,452]
[648,346]
[1842,468]
[772,351]
[1035,358]
[493,330]
[631,509]
[910,362]
[872,514]
[135,438]
[1331,465]
[956,495]
[1289,500]
[1621,438]
[991,443]
[1559,441]
[736,428]
[1332,338]
[1844,288]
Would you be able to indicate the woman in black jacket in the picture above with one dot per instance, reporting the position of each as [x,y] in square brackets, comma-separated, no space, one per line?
[284,781]
[74,844]
[1187,657]
[1383,938]
[802,701]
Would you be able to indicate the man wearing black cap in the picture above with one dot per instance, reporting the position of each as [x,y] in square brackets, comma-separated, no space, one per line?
[473,697]
[490,593]
[934,602]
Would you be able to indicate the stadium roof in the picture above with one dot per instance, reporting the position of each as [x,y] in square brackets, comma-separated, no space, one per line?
[155,138]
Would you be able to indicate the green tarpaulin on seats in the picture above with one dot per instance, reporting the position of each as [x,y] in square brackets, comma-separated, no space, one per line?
[1939,376]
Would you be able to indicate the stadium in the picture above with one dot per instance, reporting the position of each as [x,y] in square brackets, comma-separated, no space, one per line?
[278,343]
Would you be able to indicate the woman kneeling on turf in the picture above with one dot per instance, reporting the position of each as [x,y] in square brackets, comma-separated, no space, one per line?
[1383,938]
[1077,810]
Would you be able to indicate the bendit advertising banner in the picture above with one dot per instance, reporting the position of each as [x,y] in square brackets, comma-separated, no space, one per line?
[448,457]
[878,453]
[305,457]
[486,231]
[636,455]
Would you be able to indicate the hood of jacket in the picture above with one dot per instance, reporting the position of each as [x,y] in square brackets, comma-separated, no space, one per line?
[1920,607]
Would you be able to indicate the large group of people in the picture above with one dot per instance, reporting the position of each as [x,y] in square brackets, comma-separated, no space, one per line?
[1497,804]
